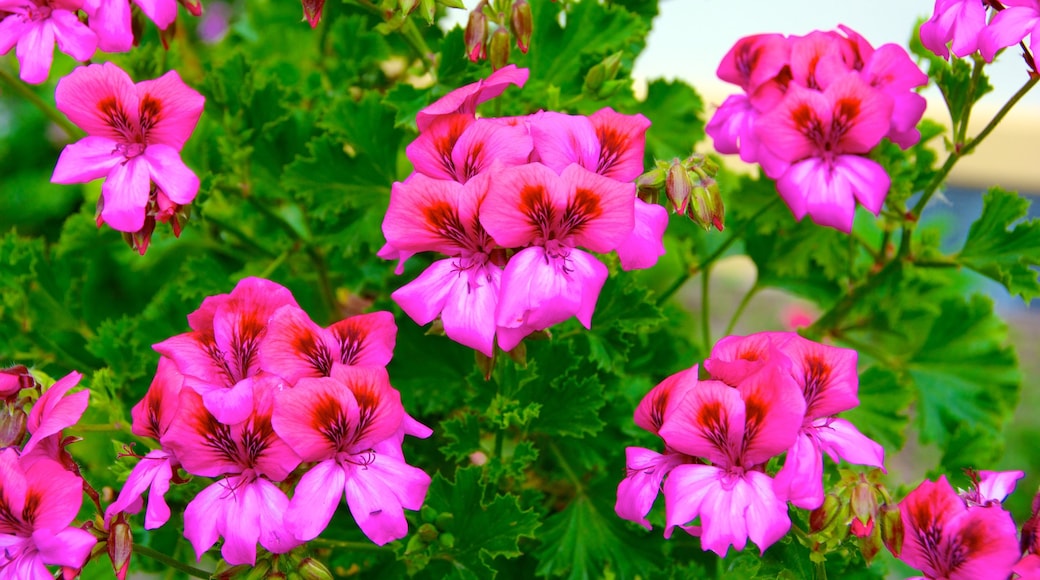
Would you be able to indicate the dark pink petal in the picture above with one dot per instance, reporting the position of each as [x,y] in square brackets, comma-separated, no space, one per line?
[53,495]
[86,160]
[431,151]
[154,413]
[316,418]
[169,110]
[524,204]
[1007,28]
[997,485]
[126,195]
[487,141]
[204,445]
[36,52]
[840,439]
[863,113]
[110,20]
[94,97]
[509,337]
[314,503]
[240,323]
[816,59]
[540,291]
[379,405]
[800,480]
[826,374]
[161,12]
[73,37]
[63,547]
[645,244]
[561,140]
[774,412]
[599,212]
[173,177]
[152,472]
[198,357]
[735,358]
[622,140]
[228,405]
[365,340]
[12,28]
[663,399]
[294,346]
[708,422]
[465,99]
[13,488]
[54,411]
[789,129]
[637,492]
[754,60]
[425,215]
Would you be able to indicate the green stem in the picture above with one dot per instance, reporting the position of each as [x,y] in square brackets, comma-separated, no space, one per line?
[579,488]
[706,307]
[961,132]
[163,558]
[837,312]
[242,236]
[345,545]
[740,307]
[324,283]
[50,112]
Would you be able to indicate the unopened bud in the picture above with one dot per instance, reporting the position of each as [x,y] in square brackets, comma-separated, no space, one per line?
[12,423]
[447,540]
[870,544]
[406,7]
[705,208]
[311,569]
[863,502]
[428,9]
[823,516]
[445,522]
[498,50]
[892,528]
[194,7]
[120,545]
[312,11]
[476,35]
[678,187]
[650,184]
[428,514]
[140,239]
[860,529]
[415,544]
[598,81]
[13,380]
[428,532]
[522,24]
[261,571]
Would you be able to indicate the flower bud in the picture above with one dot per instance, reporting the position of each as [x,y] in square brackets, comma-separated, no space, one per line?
[311,569]
[445,521]
[678,186]
[706,207]
[892,528]
[194,7]
[447,540]
[498,51]
[428,9]
[476,35]
[599,81]
[522,24]
[406,7]
[870,544]
[312,11]
[13,380]
[12,423]
[140,239]
[428,514]
[860,529]
[260,571]
[863,502]
[120,545]
[428,532]
[822,517]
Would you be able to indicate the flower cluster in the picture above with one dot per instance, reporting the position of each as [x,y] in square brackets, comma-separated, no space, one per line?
[41,487]
[36,25]
[960,27]
[962,537]
[813,107]
[768,393]
[135,135]
[257,392]
[510,201]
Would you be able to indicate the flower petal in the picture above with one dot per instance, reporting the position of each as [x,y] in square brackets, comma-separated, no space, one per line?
[314,503]
[74,38]
[126,195]
[161,12]
[294,346]
[169,109]
[645,244]
[365,340]
[86,160]
[54,411]
[469,311]
[94,96]
[841,439]
[173,177]
[599,212]
[800,480]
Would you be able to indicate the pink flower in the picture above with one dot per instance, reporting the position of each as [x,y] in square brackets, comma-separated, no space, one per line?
[991,487]
[35,25]
[54,411]
[39,500]
[457,147]
[607,143]
[551,215]
[465,99]
[737,430]
[110,19]
[823,136]
[221,357]
[135,134]
[754,60]
[944,538]
[349,423]
[435,215]
[960,21]
[1019,19]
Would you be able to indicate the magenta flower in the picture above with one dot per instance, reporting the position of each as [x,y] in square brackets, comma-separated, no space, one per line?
[960,21]
[39,500]
[152,417]
[944,538]
[110,19]
[1019,19]
[457,147]
[54,411]
[295,347]
[135,134]
[551,215]
[607,143]
[465,99]
[435,215]
[823,136]
[221,356]
[737,430]
[35,25]
[349,424]
[754,60]
[245,507]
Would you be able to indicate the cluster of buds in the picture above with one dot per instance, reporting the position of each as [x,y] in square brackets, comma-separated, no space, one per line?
[295,564]
[859,505]
[690,187]
[490,25]
[159,209]
[395,11]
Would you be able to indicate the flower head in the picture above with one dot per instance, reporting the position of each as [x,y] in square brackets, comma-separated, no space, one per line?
[35,25]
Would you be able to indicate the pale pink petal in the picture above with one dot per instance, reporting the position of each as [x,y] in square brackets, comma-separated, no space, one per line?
[732,125]
[1007,28]
[374,503]
[408,483]
[540,291]
[161,12]
[74,38]
[152,471]
[735,358]
[173,177]
[11,29]
[36,52]
[509,337]
[997,485]
[560,140]
[599,212]
[469,310]
[81,94]
[774,412]
[314,503]
[86,160]
[54,411]
[687,491]
[270,505]
[241,522]
[841,439]
[424,298]
[638,491]
[126,195]
[800,480]
[173,108]
[294,346]
[645,244]
[907,112]
[663,399]
[67,547]
[110,20]
[766,514]
[230,405]
[487,141]
[706,423]
[205,515]
[812,187]
[302,412]
[867,179]
[363,339]
[891,70]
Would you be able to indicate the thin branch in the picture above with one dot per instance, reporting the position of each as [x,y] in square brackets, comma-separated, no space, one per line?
[50,112]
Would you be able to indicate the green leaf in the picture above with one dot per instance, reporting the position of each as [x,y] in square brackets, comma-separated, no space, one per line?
[586,540]
[883,406]
[674,110]
[486,525]
[1000,249]
[462,433]
[571,407]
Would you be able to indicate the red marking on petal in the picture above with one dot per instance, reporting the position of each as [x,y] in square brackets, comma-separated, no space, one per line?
[32,504]
[534,202]
[444,219]
[151,112]
[755,411]
[580,211]
[817,376]
[215,435]
[612,145]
